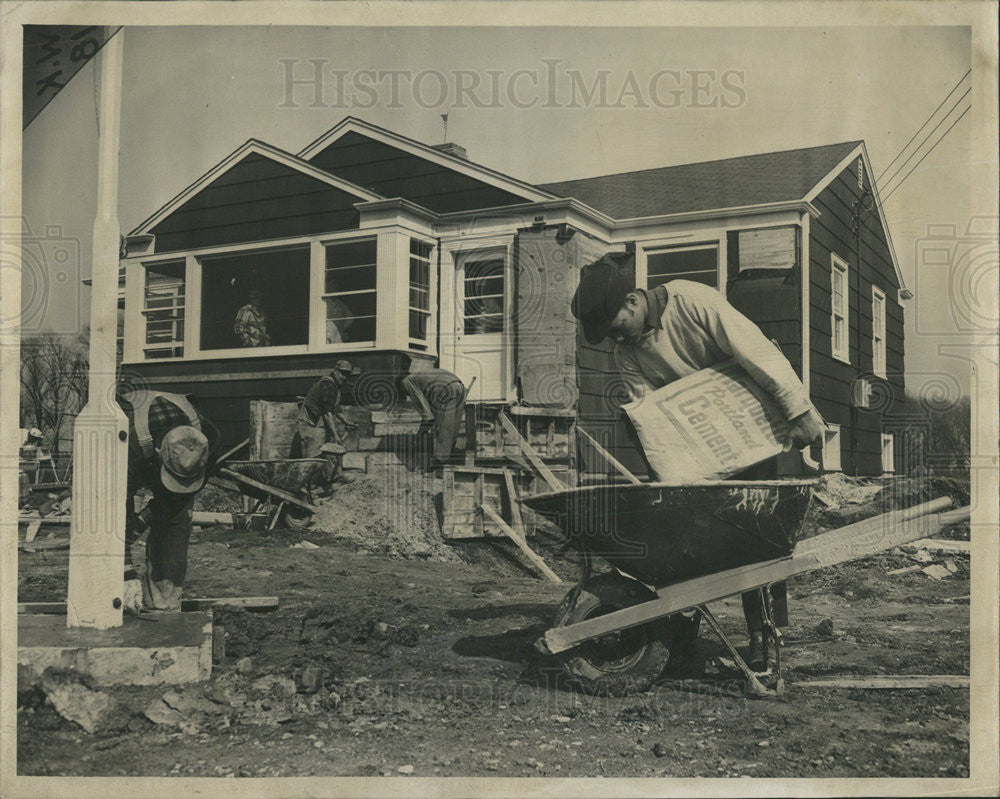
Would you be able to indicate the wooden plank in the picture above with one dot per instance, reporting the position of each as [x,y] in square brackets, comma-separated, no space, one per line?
[898,683]
[608,456]
[827,549]
[44,546]
[515,504]
[941,545]
[554,483]
[251,603]
[32,531]
[277,492]
[229,453]
[533,556]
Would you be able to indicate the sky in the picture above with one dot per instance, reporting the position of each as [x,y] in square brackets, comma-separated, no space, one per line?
[193,95]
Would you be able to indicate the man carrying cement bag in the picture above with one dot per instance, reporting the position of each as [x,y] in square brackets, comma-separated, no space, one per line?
[680,328]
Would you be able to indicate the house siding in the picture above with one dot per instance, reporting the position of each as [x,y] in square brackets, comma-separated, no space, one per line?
[831,380]
[256,199]
[395,173]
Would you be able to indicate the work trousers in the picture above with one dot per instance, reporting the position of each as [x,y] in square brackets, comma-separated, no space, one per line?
[167,549]
[443,402]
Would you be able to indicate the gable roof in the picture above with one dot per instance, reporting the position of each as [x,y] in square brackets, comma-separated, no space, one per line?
[727,183]
[252,147]
[397,166]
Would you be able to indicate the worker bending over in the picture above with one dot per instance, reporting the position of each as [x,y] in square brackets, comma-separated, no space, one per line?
[679,328]
[440,397]
[171,449]
[320,422]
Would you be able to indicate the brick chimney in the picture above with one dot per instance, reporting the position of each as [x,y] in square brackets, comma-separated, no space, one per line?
[451,148]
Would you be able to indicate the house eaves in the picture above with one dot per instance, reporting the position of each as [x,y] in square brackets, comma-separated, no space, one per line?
[463,166]
[252,146]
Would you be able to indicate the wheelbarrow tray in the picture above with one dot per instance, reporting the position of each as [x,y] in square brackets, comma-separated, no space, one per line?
[661,533]
[286,474]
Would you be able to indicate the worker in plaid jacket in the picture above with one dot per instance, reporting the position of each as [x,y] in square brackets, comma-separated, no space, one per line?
[172,449]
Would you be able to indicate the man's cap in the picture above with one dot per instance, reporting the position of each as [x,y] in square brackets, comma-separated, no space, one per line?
[183,455]
[604,284]
[344,368]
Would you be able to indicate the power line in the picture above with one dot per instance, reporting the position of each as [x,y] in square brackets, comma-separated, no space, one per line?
[945,100]
[938,125]
[966,111]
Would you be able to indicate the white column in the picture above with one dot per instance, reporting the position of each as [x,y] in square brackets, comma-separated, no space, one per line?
[100,446]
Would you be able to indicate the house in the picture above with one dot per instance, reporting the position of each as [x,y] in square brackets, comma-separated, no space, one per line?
[371,245]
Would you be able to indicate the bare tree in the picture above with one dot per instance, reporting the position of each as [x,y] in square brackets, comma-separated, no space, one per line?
[53,382]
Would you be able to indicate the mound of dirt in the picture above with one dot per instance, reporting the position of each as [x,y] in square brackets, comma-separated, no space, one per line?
[391,512]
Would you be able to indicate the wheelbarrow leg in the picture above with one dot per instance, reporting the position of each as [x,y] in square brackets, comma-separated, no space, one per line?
[773,635]
[754,685]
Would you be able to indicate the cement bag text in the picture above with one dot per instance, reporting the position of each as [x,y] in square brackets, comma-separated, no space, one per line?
[708,425]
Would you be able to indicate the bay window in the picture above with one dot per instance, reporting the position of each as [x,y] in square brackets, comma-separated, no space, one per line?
[163,310]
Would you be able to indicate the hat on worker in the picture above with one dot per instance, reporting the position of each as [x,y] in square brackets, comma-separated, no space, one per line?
[345,369]
[183,457]
[604,284]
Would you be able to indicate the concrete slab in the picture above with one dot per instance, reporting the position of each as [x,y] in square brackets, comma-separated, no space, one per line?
[175,648]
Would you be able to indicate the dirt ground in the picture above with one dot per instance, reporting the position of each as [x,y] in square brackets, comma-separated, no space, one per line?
[392,653]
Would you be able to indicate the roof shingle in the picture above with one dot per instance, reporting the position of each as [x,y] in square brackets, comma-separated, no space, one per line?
[728,183]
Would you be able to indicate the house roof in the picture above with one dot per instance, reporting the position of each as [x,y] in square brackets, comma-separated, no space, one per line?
[728,183]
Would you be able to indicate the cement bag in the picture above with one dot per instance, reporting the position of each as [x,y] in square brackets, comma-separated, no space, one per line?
[708,425]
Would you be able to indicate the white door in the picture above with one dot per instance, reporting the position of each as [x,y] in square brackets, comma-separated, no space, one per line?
[481,303]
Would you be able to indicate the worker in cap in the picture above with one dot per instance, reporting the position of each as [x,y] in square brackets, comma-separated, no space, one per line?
[321,427]
[171,451]
[676,329]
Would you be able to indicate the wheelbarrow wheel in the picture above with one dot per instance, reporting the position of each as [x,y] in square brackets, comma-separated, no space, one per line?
[619,663]
[296,518]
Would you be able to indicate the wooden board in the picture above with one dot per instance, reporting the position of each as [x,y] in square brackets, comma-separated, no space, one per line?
[838,546]
[250,603]
[272,429]
[901,682]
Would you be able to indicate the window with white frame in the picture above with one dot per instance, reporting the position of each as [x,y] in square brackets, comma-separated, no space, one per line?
[255,299]
[878,331]
[163,309]
[888,452]
[483,294]
[839,315]
[420,293]
[349,291]
[697,262]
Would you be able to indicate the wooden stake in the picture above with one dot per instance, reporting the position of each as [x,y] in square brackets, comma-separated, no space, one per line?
[533,556]
[554,482]
[608,456]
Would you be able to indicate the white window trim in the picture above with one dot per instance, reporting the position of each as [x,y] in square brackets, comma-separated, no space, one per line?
[888,453]
[839,265]
[878,365]
[415,344]
[141,314]
[655,247]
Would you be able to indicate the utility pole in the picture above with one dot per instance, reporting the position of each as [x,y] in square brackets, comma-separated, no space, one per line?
[100,434]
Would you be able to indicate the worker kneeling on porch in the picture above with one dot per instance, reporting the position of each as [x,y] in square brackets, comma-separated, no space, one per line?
[679,328]
[171,450]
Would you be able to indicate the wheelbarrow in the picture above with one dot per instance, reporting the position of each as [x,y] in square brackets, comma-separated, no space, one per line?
[286,482]
[677,548]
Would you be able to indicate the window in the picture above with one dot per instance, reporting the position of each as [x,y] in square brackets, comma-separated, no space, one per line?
[699,263]
[767,248]
[483,287]
[252,300]
[420,292]
[349,291]
[878,331]
[888,452]
[163,310]
[839,309]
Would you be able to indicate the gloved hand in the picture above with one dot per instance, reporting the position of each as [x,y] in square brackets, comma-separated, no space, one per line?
[805,428]
[133,596]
